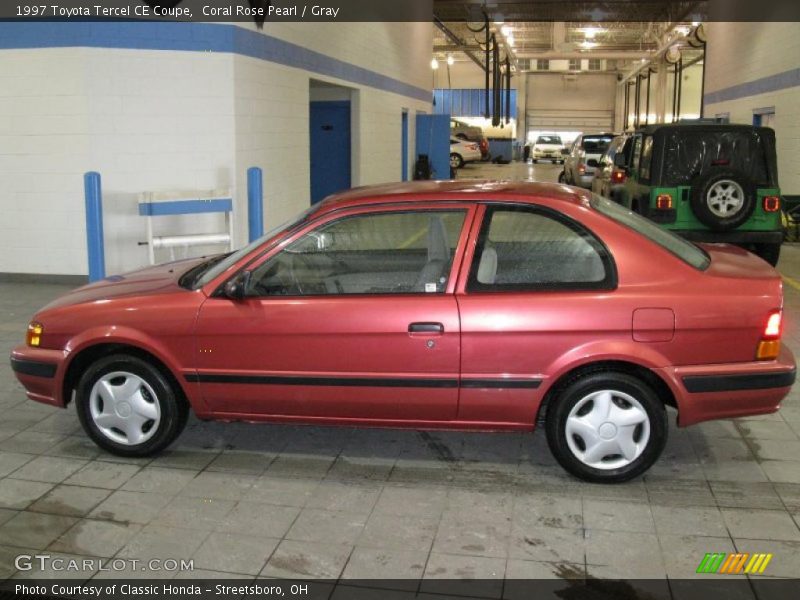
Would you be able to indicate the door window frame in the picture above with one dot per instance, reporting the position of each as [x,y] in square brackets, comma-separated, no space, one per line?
[468,281]
[260,257]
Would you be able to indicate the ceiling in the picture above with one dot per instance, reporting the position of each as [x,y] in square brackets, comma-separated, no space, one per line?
[625,31]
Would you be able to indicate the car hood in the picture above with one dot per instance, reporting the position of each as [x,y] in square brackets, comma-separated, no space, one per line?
[150,280]
[548,146]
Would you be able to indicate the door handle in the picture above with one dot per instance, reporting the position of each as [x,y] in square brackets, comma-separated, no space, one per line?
[426,328]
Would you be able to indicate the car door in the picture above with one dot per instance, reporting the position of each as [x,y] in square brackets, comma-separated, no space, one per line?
[353,317]
[534,288]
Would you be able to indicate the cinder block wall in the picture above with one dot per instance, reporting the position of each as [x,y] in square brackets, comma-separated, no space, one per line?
[752,66]
[184,107]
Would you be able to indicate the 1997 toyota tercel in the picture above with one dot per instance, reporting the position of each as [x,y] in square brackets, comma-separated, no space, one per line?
[430,305]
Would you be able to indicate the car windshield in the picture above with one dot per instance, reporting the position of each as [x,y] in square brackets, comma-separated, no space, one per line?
[549,139]
[595,144]
[211,269]
[686,251]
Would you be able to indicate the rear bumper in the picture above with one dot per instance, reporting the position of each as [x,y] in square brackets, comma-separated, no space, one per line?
[41,373]
[732,237]
[707,392]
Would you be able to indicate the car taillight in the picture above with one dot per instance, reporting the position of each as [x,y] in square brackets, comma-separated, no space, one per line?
[581,168]
[772,203]
[618,176]
[34,335]
[770,345]
[663,202]
[472,146]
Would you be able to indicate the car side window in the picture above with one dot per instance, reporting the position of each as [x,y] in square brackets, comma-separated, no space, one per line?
[537,249]
[646,158]
[377,253]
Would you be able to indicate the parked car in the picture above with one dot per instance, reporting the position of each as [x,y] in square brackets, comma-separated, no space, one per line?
[584,156]
[462,131]
[548,147]
[472,305]
[608,178]
[462,152]
[707,182]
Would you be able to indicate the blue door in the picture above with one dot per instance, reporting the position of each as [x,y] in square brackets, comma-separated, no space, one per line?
[330,148]
[404,147]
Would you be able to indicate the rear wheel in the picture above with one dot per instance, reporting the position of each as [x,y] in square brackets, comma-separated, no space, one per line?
[128,407]
[606,427]
[456,162]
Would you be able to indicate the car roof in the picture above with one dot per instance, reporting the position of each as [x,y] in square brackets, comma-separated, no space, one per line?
[427,191]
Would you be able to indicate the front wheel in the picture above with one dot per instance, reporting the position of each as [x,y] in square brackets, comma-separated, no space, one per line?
[456,162]
[606,427]
[128,407]
[562,178]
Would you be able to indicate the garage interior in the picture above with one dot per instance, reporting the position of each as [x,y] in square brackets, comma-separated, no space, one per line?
[323,107]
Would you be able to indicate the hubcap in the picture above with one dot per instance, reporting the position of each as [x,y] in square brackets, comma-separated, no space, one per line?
[454,161]
[125,408]
[607,429]
[725,198]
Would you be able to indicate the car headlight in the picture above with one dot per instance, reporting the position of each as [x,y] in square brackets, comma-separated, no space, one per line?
[34,335]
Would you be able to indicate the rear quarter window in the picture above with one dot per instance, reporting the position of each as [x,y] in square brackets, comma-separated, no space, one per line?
[684,250]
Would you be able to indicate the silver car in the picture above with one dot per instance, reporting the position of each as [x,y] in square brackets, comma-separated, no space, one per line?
[584,157]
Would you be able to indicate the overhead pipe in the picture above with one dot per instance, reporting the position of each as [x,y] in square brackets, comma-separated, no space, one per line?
[495,82]
[486,70]
[627,105]
[508,91]
[680,87]
[647,104]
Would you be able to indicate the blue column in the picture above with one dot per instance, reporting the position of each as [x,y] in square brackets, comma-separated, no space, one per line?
[255,203]
[94,225]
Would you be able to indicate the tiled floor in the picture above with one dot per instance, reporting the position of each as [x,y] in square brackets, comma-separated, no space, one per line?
[313,502]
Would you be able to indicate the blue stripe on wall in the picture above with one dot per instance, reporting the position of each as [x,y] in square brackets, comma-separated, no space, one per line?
[195,37]
[773,83]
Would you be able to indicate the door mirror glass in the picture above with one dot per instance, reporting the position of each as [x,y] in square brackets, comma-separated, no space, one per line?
[236,288]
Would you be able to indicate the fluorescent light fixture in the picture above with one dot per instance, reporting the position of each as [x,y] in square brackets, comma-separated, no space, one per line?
[588,45]
[505,30]
[450,60]
[434,64]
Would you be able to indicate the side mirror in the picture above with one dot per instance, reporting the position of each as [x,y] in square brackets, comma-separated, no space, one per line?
[592,162]
[236,288]
[619,160]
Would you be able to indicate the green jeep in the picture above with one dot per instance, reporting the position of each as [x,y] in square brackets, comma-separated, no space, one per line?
[706,182]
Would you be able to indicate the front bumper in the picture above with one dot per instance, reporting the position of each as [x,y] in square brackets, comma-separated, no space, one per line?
[41,373]
[706,392]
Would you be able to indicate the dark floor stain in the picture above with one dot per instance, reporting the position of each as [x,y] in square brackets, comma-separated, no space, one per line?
[442,451]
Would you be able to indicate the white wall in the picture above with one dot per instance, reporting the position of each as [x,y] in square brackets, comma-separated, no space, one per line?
[155,120]
[739,54]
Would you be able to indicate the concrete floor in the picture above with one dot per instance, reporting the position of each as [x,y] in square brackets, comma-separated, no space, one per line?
[311,502]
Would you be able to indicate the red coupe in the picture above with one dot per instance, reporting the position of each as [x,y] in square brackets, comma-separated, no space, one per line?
[453,305]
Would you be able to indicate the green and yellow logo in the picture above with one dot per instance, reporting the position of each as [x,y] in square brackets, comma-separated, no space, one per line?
[734,564]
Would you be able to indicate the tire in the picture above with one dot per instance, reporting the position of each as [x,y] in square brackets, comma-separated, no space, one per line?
[535,161]
[456,161]
[769,252]
[128,431]
[573,420]
[562,177]
[723,199]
